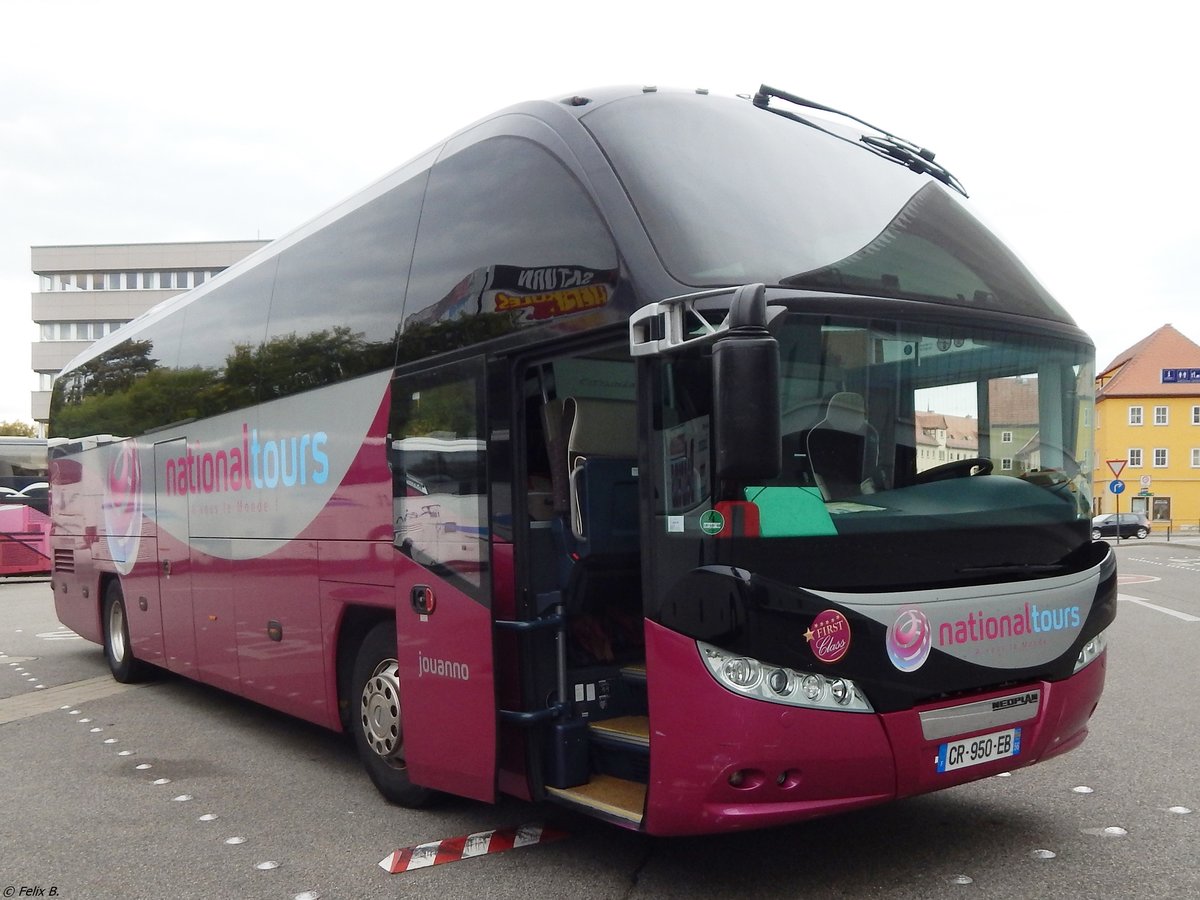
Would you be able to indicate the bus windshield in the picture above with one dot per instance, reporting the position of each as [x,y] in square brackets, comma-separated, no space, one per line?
[728,195]
[893,430]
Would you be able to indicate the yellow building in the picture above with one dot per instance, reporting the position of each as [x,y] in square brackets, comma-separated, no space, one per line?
[1148,415]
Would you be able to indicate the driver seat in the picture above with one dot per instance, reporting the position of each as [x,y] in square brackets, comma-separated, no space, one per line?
[843,449]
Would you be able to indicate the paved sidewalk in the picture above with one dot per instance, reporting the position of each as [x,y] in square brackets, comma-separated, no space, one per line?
[1188,539]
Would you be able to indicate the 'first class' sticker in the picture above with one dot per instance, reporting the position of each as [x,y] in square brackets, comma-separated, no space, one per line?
[829,636]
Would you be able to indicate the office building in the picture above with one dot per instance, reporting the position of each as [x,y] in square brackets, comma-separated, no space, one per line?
[87,291]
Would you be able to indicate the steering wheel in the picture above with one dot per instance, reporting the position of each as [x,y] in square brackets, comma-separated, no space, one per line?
[959,468]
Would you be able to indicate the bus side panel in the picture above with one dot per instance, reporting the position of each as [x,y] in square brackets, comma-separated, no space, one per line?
[280,648]
[175,562]
[69,549]
[213,611]
[90,531]
[143,610]
[77,610]
[795,763]
[447,688]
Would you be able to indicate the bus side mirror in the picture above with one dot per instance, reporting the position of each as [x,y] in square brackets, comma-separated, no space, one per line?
[746,430]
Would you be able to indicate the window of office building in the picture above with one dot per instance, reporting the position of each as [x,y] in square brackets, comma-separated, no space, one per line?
[125,281]
[77,331]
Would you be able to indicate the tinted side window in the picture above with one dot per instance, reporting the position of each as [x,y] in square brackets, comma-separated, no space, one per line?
[508,238]
[439,474]
[222,335]
[127,390]
[339,295]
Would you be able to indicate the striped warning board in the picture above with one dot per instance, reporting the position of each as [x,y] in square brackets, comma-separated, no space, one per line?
[437,853]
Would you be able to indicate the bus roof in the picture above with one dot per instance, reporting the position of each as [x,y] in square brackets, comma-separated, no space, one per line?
[687,190]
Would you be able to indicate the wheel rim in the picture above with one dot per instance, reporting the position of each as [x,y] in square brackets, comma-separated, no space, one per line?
[380,713]
[116,631]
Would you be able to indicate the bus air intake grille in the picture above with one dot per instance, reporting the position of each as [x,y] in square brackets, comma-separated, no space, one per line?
[64,561]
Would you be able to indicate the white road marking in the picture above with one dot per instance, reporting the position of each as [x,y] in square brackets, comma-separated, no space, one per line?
[62,634]
[1187,617]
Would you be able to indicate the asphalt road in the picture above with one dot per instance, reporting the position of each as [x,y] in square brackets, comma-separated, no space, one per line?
[114,792]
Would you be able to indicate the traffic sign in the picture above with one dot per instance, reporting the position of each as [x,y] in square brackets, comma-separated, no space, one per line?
[1116,486]
[1145,481]
[1116,465]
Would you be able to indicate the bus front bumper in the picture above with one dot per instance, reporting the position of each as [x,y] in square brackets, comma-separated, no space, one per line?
[721,762]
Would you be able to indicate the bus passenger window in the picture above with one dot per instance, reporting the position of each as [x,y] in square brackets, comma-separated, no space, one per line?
[439,478]
[508,238]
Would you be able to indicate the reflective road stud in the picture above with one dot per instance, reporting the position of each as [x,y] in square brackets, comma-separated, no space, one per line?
[481,843]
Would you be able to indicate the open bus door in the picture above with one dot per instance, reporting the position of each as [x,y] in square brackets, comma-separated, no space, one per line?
[443,580]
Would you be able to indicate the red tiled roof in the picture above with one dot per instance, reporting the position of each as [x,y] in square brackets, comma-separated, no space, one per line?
[1013,401]
[962,432]
[1137,372]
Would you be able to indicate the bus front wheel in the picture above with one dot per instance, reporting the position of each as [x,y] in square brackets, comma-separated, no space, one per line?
[376,720]
[118,650]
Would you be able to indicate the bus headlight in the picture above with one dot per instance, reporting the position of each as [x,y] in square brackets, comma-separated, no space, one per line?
[777,684]
[813,687]
[1091,650]
[842,691]
[781,682]
[742,672]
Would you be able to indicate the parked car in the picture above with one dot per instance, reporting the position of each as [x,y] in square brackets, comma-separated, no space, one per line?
[1120,525]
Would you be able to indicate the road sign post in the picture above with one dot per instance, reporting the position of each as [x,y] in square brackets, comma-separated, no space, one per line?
[1117,487]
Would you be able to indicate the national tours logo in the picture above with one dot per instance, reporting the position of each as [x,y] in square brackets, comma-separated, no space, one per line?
[910,637]
[254,464]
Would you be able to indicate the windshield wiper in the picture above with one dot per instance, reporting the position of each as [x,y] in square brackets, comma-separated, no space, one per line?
[886,144]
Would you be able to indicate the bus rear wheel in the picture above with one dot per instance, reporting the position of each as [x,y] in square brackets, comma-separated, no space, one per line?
[118,650]
[376,721]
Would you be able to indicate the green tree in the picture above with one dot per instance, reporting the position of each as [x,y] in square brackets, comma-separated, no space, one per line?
[291,363]
[112,372]
[17,429]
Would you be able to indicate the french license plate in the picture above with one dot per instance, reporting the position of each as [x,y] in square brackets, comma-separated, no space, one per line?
[978,750]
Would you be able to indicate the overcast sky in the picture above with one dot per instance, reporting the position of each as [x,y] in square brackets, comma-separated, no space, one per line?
[1073,129]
